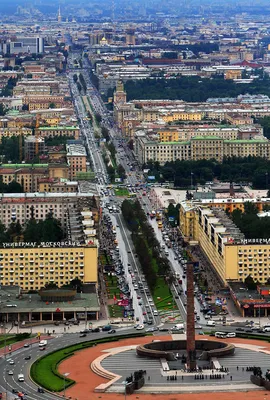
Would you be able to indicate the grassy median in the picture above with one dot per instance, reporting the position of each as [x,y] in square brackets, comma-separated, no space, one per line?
[45,373]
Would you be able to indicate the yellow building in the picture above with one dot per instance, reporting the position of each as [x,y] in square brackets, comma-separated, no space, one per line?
[31,267]
[28,175]
[233,74]
[233,257]
[51,131]
[50,185]
[181,116]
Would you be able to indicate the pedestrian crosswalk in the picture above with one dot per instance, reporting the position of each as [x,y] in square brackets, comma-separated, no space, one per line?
[128,361]
[246,358]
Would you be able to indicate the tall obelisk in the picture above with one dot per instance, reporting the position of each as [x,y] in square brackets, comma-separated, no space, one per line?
[191,352]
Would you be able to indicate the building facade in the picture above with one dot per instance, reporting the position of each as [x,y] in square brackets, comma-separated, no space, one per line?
[31,266]
[197,148]
[233,257]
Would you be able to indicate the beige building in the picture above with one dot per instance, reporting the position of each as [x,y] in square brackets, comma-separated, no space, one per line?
[23,206]
[51,131]
[76,158]
[51,185]
[198,148]
[28,175]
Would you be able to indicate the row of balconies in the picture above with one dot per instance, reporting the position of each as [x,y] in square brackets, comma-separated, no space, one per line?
[240,253]
[42,256]
[259,262]
[41,276]
[51,270]
[41,266]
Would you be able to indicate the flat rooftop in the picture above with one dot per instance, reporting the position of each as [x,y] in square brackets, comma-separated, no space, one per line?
[11,303]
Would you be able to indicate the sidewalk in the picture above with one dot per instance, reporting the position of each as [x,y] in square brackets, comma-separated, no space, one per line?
[19,345]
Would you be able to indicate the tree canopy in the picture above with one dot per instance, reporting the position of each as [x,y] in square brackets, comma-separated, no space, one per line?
[248,169]
[252,226]
[192,89]
[48,230]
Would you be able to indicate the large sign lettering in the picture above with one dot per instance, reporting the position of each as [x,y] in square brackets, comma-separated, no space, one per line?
[255,241]
[67,243]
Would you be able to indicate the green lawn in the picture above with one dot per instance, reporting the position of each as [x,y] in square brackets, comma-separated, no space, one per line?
[11,339]
[115,311]
[121,192]
[162,295]
[44,371]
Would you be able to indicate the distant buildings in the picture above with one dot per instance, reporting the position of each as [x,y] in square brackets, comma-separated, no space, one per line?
[24,45]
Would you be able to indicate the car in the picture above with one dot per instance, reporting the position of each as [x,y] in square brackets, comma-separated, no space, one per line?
[26,345]
[198,327]
[40,390]
[82,335]
[85,331]
[164,329]
[11,362]
[240,329]
[27,357]
[10,372]
[140,327]
[111,331]
[42,348]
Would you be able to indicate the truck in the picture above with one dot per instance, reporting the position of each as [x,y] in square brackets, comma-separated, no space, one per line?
[178,327]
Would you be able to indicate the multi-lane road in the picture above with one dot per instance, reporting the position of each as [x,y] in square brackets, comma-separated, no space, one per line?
[22,366]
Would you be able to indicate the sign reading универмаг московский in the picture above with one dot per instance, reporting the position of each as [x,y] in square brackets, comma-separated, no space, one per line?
[67,243]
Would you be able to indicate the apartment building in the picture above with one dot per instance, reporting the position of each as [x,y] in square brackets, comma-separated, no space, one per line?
[76,158]
[23,206]
[31,266]
[51,131]
[233,257]
[9,132]
[197,148]
[51,185]
[28,175]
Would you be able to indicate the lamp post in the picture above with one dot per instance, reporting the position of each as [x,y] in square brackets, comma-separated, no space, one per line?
[65,375]
[191,180]
[85,317]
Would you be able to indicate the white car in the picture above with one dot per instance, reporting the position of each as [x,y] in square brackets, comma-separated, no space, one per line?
[140,327]
[10,372]
[11,362]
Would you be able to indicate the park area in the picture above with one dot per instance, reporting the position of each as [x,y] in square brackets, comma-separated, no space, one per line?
[121,191]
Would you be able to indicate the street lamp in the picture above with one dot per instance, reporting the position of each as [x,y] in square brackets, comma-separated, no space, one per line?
[191,180]
[65,375]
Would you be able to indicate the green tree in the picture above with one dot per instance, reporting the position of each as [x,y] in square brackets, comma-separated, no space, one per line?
[50,285]
[2,109]
[3,234]
[51,230]
[121,171]
[32,231]
[250,283]
[52,105]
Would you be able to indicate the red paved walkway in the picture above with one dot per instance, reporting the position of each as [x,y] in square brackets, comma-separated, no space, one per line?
[79,368]
[18,345]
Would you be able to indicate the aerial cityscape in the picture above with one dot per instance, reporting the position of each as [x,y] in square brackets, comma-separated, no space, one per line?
[135,200]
